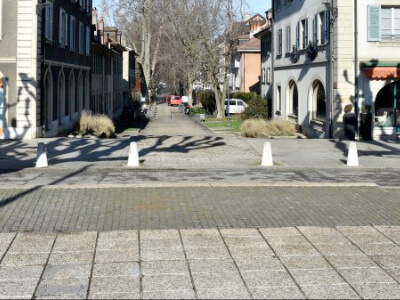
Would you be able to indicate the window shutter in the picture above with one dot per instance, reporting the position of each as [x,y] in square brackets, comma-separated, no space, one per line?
[374,23]
[315,30]
[47,22]
[298,35]
[306,33]
[51,23]
[60,29]
[327,27]
[66,30]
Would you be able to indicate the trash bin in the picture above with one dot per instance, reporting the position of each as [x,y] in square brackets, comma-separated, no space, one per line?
[350,125]
[366,126]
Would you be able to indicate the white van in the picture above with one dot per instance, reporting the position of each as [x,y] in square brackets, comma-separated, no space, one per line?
[236,106]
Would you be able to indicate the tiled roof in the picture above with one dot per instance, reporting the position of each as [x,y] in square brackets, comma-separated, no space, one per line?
[253,45]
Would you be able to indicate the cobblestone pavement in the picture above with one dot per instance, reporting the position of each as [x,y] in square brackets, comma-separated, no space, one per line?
[97,209]
[344,262]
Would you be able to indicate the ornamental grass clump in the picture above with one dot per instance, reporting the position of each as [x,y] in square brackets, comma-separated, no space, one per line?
[99,125]
[261,128]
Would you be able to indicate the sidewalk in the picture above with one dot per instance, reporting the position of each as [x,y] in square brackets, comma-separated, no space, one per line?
[263,263]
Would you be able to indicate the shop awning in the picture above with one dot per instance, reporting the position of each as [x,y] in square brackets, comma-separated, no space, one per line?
[381,71]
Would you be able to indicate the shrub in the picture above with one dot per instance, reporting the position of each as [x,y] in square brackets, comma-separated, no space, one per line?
[348,108]
[197,110]
[207,100]
[99,125]
[257,109]
[246,97]
[259,127]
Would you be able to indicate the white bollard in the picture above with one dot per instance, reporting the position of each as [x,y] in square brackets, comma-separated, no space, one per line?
[267,155]
[41,157]
[133,159]
[352,158]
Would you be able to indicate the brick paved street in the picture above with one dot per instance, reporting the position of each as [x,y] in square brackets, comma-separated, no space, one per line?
[97,209]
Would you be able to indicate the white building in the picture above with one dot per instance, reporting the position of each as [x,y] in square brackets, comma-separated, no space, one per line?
[329,53]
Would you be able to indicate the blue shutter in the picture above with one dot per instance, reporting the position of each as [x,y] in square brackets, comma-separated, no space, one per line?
[327,32]
[47,22]
[298,35]
[60,28]
[315,29]
[306,33]
[374,23]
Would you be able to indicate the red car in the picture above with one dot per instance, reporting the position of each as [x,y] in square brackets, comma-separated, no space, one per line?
[174,100]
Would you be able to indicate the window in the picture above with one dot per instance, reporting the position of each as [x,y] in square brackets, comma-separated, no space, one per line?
[319,102]
[279,42]
[278,98]
[288,39]
[390,22]
[48,29]
[72,42]
[321,28]
[293,99]
[81,37]
[263,76]
[302,34]
[63,29]
[278,5]
[383,23]
[88,40]
[268,79]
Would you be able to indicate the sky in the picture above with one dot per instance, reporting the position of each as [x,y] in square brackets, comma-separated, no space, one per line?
[259,6]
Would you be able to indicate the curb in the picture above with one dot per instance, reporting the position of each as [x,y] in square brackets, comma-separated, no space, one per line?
[193,185]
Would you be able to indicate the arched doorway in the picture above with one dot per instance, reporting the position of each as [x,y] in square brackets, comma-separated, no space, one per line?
[61,96]
[3,90]
[293,99]
[80,92]
[72,93]
[387,106]
[318,101]
[48,99]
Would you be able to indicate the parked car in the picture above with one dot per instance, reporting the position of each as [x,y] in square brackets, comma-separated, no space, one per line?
[236,106]
[175,100]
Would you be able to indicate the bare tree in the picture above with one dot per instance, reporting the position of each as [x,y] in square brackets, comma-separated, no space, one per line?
[206,31]
[142,23]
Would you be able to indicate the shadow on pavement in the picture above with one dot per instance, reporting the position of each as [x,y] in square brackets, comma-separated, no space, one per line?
[384,148]
[36,188]
[185,145]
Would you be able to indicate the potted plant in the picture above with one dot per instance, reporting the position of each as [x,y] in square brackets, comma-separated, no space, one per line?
[366,123]
[349,122]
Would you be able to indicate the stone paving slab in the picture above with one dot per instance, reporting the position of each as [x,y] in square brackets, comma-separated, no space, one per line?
[275,276]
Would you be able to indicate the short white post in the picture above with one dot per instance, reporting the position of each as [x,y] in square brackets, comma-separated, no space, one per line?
[41,157]
[267,155]
[352,158]
[133,159]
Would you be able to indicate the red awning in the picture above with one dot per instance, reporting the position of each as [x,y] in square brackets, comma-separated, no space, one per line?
[382,73]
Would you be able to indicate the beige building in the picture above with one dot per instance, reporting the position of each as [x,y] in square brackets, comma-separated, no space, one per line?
[250,65]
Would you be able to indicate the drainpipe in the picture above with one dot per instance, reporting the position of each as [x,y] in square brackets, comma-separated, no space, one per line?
[331,70]
[356,108]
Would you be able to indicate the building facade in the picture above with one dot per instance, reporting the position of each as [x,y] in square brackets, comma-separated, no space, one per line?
[328,54]
[44,66]
[302,64]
